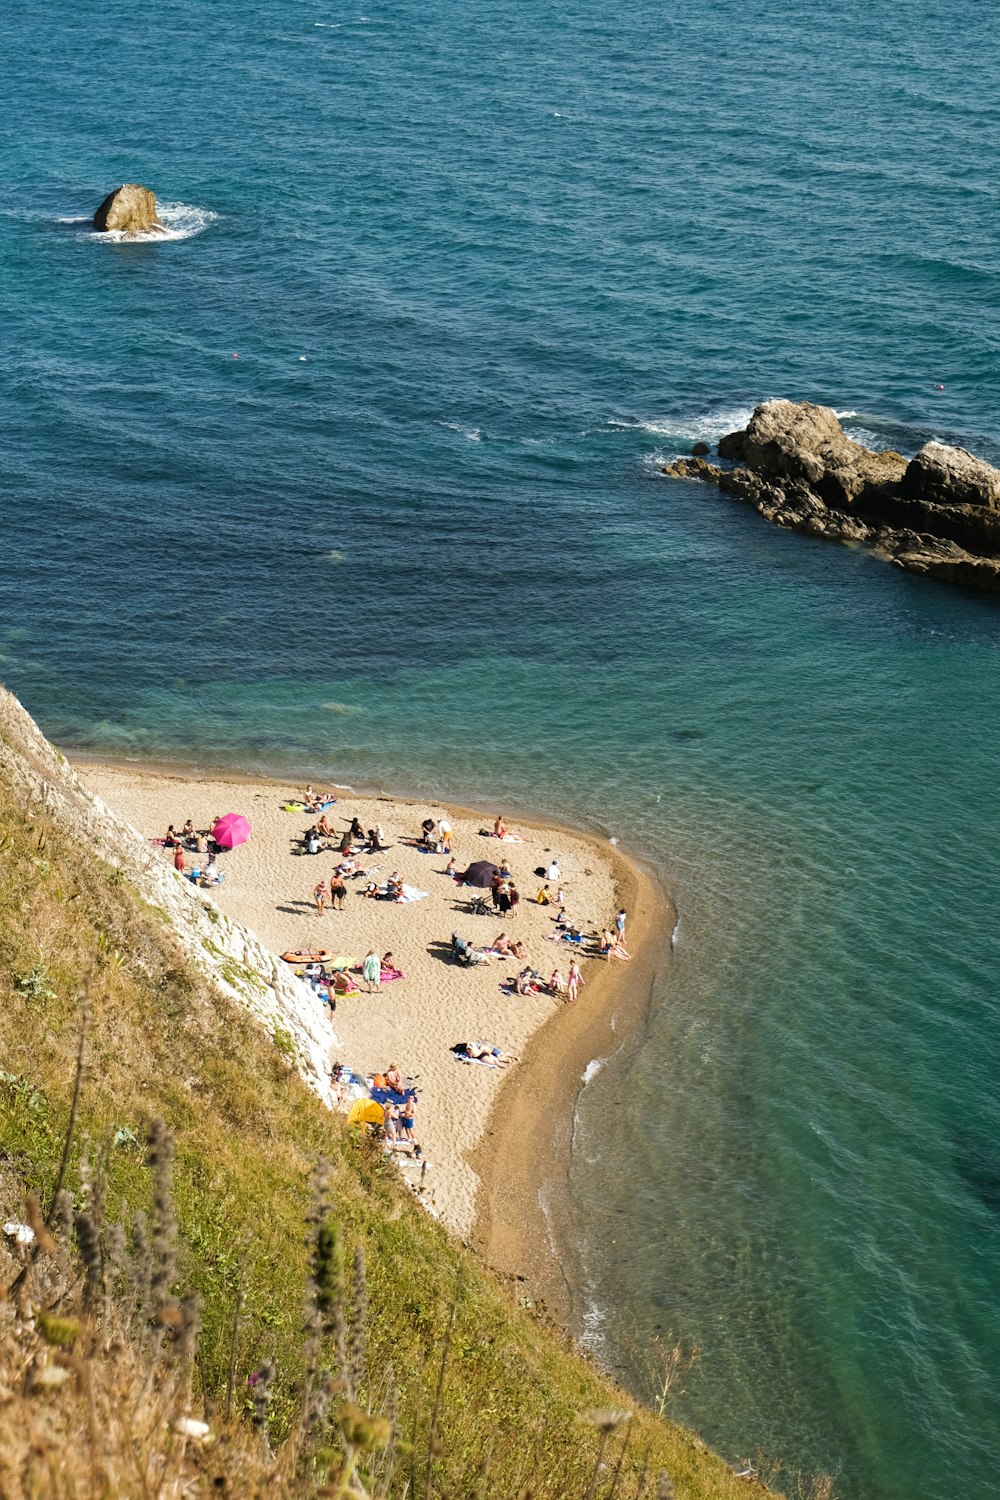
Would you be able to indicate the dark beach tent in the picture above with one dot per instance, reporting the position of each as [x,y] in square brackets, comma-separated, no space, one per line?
[480,873]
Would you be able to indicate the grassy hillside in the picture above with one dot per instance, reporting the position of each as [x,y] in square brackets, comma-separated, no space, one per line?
[247,1137]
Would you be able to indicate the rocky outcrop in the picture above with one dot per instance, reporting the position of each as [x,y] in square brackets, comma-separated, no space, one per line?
[131,209]
[936,514]
[226,952]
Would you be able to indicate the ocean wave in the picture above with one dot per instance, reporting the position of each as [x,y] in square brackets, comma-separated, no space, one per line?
[473,434]
[707,427]
[181,221]
[592,1069]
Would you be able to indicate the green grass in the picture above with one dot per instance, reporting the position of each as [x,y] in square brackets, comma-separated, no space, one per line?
[248,1134]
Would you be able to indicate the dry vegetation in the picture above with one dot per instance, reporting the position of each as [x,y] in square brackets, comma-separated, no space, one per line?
[223,1251]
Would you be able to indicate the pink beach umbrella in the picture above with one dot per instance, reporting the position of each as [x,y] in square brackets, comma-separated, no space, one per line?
[231,830]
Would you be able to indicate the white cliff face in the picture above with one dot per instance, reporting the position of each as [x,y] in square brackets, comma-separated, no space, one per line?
[224,951]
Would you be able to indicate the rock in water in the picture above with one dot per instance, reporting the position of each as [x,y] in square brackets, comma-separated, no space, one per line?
[130,208]
[938,515]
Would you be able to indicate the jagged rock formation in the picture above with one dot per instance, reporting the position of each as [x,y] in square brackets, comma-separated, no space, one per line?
[938,514]
[225,951]
[131,209]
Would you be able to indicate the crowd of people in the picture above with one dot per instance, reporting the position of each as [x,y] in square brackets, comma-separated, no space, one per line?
[336,978]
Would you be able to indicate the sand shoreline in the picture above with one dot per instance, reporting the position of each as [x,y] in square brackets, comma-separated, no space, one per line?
[512,1141]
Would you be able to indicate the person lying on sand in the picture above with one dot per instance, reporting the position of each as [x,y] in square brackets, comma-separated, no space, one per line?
[484,1054]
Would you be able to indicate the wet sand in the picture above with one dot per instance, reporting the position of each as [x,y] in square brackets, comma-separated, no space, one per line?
[524,1217]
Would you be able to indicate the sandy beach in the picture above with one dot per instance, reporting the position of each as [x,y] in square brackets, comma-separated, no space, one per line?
[414,1021]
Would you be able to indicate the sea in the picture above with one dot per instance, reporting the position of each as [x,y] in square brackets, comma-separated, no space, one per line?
[355,473]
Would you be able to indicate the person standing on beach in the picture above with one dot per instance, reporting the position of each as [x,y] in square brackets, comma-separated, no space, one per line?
[620,920]
[371,970]
[179,858]
[338,890]
[574,979]
[319,896]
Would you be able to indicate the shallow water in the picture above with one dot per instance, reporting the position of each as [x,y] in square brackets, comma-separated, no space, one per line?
[481,275]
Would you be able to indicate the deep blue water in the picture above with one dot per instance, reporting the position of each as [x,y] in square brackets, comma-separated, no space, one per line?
[483,273]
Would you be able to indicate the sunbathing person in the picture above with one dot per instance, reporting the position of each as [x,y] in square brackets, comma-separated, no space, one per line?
[499,827]
[393,1078]
[389,969]
[394,887]
[187,832]
[324,828]
[481,1052]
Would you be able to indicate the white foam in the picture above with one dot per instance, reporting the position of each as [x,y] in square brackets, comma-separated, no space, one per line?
[707,427]
[593,1068]
[473,434]
[181,221]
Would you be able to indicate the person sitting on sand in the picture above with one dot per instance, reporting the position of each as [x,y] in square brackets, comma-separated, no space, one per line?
[356,831]
[543,898]
[376,840]
[373,890]
[557,983]
[552,874]
[393,1078]
[499,827]
[323,827]
[506,947]
[312,841]
[525,984]
[389,969]
[171,838]
[506,873]
[187,832]
[394,887]
[345,844]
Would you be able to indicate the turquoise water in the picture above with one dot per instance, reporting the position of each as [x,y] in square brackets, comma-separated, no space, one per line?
[483,273]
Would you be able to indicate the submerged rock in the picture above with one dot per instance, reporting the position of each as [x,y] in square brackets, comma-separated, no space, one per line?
[938,514]
[131,209]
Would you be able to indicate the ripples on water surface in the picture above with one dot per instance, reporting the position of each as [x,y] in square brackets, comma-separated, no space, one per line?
[482,273]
